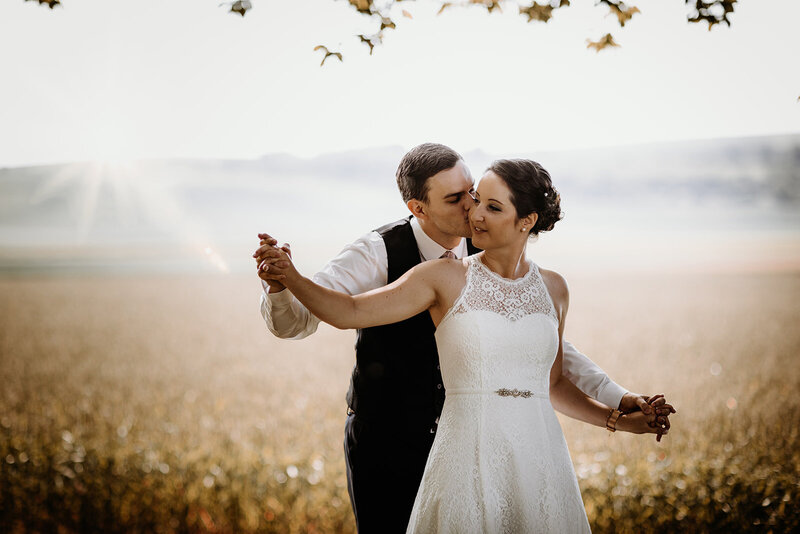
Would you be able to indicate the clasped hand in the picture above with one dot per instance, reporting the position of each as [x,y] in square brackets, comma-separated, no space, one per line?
[272,262]
[652,411]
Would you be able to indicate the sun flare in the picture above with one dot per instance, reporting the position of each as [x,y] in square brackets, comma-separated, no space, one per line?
[138,196]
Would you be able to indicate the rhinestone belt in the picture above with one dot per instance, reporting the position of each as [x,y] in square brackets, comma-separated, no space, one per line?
[503,392]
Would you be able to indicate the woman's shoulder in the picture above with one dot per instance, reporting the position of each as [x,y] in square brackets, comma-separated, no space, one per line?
[449,267]
[556,284]
[445,276]
[442,267]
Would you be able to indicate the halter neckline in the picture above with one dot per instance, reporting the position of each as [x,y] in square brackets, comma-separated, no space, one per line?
[531,266]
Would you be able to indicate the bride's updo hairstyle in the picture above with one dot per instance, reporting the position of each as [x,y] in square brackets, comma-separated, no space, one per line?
[532,191]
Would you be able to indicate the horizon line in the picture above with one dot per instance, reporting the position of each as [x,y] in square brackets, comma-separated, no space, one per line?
[315,155]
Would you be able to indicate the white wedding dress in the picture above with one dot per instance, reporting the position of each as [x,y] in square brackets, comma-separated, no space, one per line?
[499,463]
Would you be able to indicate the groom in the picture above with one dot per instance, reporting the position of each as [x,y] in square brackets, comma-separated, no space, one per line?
[396,391]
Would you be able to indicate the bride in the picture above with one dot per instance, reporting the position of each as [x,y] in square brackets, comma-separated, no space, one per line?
[499,462]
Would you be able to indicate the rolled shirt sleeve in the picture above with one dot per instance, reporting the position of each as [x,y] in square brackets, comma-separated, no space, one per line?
[590,378]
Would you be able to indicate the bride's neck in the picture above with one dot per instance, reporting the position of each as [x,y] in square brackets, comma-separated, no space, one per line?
[507,262]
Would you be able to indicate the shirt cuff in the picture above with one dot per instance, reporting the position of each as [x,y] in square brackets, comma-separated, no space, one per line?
[611,394]
[281,299]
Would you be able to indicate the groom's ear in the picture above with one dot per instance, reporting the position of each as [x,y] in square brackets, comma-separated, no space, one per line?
[417,208]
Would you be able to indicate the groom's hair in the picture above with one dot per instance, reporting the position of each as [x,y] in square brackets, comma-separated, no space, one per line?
[419,164]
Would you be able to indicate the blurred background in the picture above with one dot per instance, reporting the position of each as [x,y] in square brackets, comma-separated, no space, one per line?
[143,145]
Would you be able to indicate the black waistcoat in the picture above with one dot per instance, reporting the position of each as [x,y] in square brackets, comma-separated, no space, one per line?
[396,378]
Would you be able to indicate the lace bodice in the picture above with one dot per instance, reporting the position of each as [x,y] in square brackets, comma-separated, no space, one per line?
[499,333]
[513,299]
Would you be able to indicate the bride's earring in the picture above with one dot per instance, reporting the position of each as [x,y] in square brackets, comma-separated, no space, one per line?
[523,229]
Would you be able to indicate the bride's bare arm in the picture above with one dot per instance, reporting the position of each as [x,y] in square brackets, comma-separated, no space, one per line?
[412,293]
[564,395]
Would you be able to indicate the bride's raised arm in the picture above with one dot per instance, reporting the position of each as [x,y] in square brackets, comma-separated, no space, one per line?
[412,293]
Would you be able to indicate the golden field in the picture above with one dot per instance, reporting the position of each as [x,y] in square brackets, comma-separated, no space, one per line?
[162,404]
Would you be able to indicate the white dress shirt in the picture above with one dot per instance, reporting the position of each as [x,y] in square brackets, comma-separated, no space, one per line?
[364,265]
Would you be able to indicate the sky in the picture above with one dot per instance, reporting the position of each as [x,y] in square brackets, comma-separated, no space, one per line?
[129,79]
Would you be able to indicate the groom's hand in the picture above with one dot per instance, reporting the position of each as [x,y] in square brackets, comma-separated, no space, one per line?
[655,409]
[663,411]
[267,251]
[633,402]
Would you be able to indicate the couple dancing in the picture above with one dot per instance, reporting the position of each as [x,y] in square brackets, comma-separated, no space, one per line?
[481,322]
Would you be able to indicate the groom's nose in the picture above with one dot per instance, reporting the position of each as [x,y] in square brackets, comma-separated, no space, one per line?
[469,201]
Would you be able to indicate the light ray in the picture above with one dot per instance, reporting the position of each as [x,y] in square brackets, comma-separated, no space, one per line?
[216,260]
[88,201]
[55,184]
[136,194]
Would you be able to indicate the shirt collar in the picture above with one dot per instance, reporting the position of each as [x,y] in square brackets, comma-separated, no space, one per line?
[430,249]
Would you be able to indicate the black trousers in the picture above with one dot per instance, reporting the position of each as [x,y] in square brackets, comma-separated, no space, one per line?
[385,463]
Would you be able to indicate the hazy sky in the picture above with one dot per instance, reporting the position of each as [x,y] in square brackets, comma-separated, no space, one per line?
[182,78]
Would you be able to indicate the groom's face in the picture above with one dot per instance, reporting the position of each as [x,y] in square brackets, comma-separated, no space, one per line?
[449,200]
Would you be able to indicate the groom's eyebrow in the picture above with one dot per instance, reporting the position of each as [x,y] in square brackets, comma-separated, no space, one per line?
[459,194]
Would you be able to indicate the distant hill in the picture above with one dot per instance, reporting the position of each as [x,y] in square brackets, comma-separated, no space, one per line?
[157,204]
[738,169]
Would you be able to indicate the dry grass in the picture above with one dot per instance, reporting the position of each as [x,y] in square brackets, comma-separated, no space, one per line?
[163,405]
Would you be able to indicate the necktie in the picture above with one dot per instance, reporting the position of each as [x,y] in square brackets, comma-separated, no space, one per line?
[448,254]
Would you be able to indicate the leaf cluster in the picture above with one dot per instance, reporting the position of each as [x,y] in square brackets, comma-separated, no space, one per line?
[712,12]
[49,3]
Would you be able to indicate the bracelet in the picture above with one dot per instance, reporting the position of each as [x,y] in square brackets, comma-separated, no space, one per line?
[611,420]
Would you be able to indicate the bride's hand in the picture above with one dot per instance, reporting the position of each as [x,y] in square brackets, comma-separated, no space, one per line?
[662,412]
[266,244]
[279,266]
[637,423]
